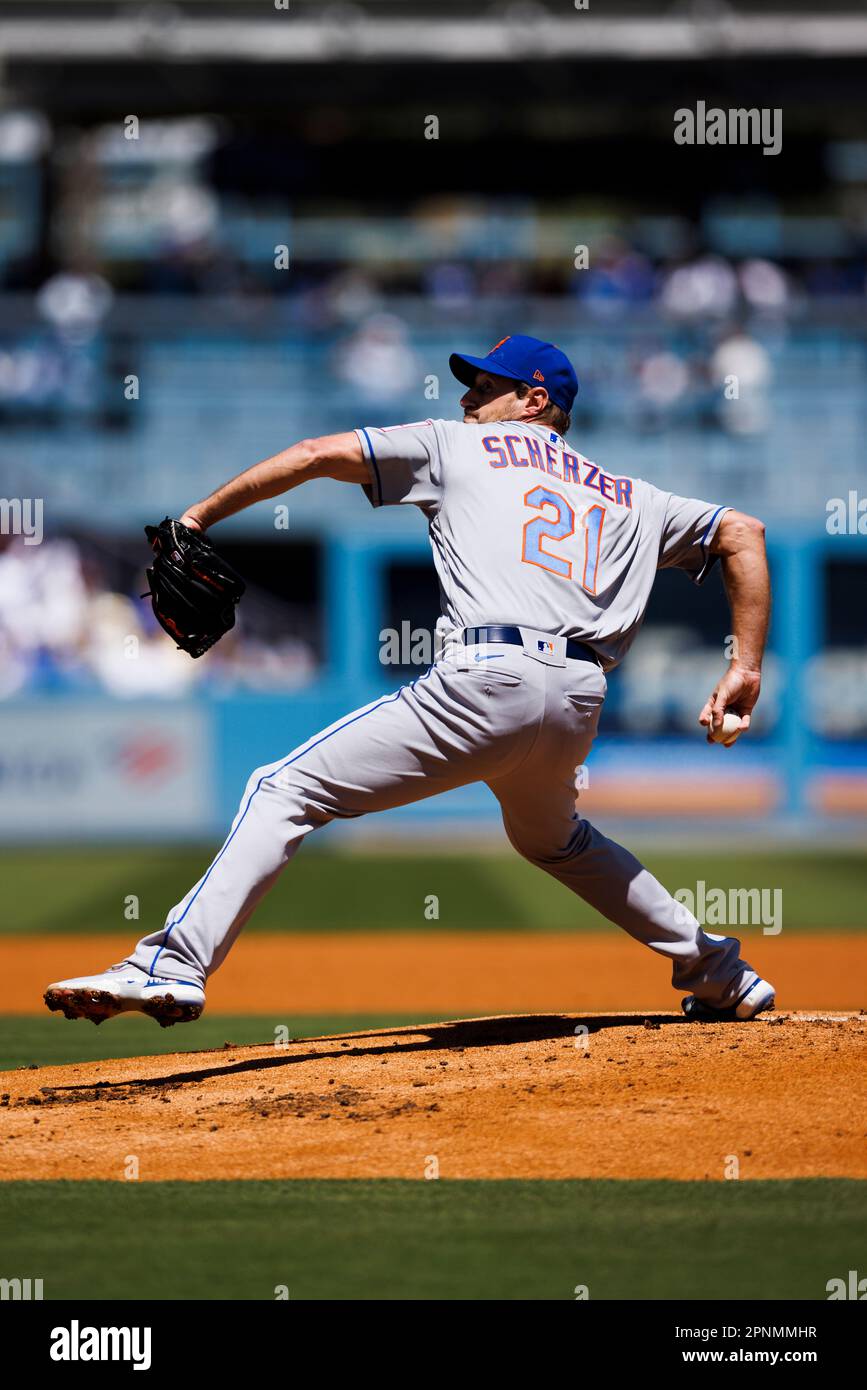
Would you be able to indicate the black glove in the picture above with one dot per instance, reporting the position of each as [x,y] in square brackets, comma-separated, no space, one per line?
[193,590]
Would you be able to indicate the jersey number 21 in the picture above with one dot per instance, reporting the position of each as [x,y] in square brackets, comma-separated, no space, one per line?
[559,528]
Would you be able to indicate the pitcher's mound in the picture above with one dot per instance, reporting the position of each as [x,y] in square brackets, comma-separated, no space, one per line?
[538,1096]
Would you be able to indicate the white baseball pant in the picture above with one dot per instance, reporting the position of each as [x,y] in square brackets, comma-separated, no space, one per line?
[492,713]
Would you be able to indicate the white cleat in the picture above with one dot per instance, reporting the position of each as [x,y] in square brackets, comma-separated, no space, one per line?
[758,999]
[123,989]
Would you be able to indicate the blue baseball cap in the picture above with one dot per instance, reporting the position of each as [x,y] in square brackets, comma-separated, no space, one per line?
[523,359]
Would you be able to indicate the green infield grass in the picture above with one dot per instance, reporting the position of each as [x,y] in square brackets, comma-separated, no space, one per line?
[89,890]
[391,1239]
[54,1041]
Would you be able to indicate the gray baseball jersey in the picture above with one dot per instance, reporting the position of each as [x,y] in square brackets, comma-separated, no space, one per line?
[525,530]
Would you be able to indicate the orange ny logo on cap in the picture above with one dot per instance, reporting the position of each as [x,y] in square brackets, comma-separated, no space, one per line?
[499,344]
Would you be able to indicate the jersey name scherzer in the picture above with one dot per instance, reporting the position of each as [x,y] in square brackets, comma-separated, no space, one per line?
[525,530]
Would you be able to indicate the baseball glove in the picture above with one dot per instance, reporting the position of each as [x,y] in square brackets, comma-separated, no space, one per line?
[193,590]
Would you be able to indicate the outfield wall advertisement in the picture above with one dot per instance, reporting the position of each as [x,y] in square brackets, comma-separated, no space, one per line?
[73,769]
[92,769]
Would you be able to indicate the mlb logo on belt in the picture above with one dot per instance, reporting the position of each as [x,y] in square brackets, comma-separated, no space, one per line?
[546,647]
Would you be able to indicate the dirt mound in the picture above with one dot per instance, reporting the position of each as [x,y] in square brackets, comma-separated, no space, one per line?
[544,1096]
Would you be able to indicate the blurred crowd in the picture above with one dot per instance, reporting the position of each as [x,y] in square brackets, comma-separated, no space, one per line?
[704,349]
[64,627]
[191,212]
[617,278]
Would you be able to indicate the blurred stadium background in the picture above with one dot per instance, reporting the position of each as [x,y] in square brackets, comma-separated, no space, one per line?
[151,347]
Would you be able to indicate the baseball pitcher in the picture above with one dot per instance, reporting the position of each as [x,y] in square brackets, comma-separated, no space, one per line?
[545,564]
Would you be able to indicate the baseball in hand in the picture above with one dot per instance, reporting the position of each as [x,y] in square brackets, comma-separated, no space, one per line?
[729,730]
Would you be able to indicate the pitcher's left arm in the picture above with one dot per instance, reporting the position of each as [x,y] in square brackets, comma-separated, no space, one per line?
[330,456]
